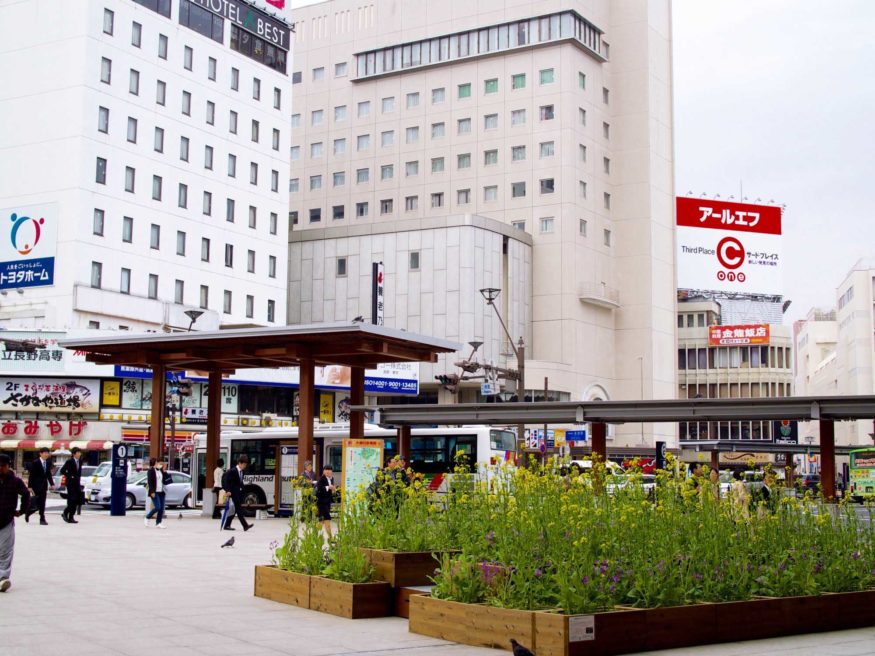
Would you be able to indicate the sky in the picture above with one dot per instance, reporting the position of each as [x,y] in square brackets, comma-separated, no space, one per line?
[777,98]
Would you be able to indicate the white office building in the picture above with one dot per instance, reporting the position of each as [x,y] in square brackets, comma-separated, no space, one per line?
[517,145]
[151,138]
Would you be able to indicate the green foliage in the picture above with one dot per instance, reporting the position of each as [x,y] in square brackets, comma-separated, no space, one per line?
[302,550]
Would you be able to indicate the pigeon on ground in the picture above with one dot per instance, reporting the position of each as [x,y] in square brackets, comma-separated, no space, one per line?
[229,543]
[180,515]
[519,650]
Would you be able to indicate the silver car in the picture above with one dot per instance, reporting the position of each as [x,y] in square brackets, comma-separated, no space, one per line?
[178,492]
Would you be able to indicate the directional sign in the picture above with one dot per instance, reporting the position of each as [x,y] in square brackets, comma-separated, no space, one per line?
[575,436]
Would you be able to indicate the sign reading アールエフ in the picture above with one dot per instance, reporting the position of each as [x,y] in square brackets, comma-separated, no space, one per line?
[27,245]
[729,247]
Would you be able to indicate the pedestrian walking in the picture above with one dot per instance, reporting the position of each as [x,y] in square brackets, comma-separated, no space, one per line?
[11,488]
[218,473]
[325,489]
[157,480]
[72,470]
[232,483]
[39,481]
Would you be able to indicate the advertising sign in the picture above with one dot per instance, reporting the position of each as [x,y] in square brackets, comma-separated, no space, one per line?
[27,250]
[112,393]
[729,247]
[377,289]
[251,19]
[785,431]
[395,378]
[362,459]
[288,470]
[738,335]
[326,407]
[49,395]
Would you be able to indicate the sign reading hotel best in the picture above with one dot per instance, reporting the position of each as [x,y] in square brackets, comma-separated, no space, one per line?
[729,247]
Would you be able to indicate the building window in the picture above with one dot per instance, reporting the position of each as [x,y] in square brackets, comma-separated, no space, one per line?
[546,76]
[412,134]
[463,196]
[387,138]
[463,126]
[205,249]
[607,200]
[581,115]
[548,149]
[387,172]
[253,173]
[232,165]
[386,206]
[226,302]
[103,120]
[162,46]
[316,117]
[186,103]
[490,193]
[411,203]
[255,128]
[315,182]
[412,100]
[606,165]
[155,237]
[518,225]
[272,228]
[606,130]
[253,216]
[581,151]
[130,179]
[235,79]
[361,210]
[411,168]
[363,142]
[414,260]
[161,93]
[202,21]
[517,189]
[108,21]
[339,146]
[581,227]
[183,148]
[490,86]
[582,189]
[125,282]
[157,184]
[438,95]
[208,158]
[319,74]
[463,161]
[517,153]
[204,297]
[179,292]
[211,113]
[340,69]
[338,212]
[490,157]
[340,113]
[250,261]
[182,199]
[518,81]
[547,186]
[606,95]
[250,306]
[229,255]
[134,82]
[271,309]
[136,34]
[274,180]
[437,200]
[518,117]
[362,175]
[607,237]
[490,121]
[277,98]
[275,139]
[180,242]
[153,285]
[127,230]
[230,210]
[105,70]
[211,69]
[437,164]
[158,141]
[465,90]
[338,178]
[256,89]
[315,215]
[271,266]
[388,105]
[297,77]
[316,149]
[581,80]
[546,224]
[187,58]
[295,153]
[208,203]
[97,223]
[364,108]
[438,130]
[547,113]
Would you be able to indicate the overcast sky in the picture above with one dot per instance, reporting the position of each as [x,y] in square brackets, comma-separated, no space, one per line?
[778,96]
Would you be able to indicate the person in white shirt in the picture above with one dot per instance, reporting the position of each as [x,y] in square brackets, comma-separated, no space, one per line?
[218,473]
[157,479]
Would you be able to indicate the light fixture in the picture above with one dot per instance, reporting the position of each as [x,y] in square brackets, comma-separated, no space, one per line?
[490,294]
[194,315]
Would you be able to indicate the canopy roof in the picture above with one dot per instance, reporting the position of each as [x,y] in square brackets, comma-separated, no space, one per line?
[349,344]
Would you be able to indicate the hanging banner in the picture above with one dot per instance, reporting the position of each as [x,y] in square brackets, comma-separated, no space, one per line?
[112,394]
[326,407]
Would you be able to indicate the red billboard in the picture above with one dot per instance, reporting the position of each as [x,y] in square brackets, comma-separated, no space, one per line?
[738,335]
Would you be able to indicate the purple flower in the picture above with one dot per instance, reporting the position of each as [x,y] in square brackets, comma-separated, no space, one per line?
[818,567]
[585,579]
[490,537]
[612,589]
[538,573]
[698,576]
[856,555]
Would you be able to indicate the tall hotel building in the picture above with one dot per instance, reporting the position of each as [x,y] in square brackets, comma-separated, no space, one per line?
[152,139]
[518,145]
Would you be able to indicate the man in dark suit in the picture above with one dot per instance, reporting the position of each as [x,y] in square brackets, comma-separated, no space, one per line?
[72,470]
[232,483]
[39,481]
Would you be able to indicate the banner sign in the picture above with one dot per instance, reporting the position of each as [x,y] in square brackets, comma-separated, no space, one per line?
[785,431]
[49,395]
[738,335]
[377,289]
[288,466]
[362,459]
[729,247]
[27,250]
[251,19]
[47,356]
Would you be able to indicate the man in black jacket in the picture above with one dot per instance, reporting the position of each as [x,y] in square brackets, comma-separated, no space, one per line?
[11,488]
[72,470]
[232,483]
[39,481]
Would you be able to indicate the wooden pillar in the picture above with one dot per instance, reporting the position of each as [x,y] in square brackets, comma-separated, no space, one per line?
[357,397]
[789,470]
[214,421]
[715,460]
[404,442]
[828,459]
[156,428]
[306,397]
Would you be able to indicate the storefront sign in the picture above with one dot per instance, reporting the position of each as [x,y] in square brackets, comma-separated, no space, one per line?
[112,394]
[49,395]
[28,246]
[377,293]
[54,429]
[738,335]
[326,408]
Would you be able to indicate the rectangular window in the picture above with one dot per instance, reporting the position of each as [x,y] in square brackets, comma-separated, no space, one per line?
[490,86]
[437,164]
[130,179]
[316,149]
[134,82]
[548,148]
[411,168]
[275,139]
[607,201]
[136,34]
[518,225]
[208,203]
[271,310]
[362,175]
[414,260]
[211,68]
[364,108]
[463,161]
[581,227]
[295,153]
[108,21]
[547,186]
[437,200]
[277,98]
[361,210]
[253,173]
[235,79]
[315,182]
[125,282]
[230,210]
[204,296]
[208,157]
[274,180]
[386,206]
[581,152]
[412,135]
[518,81]
[186,103]
[340,69]
[256,89]
[490,157]
[250,261]
[490,121]
[463,196]
[606,165]
[315,215]
[607,237]
[606,95]
[155,237]
[229,255]
[412,100]
[232,165]
[340,113]
[105,70]
[271,266]
[157,184]
[226,302]
[316,117]
[463,126]
[183,148]
[387,138]
[438,95]
[179,292]
[273,223]
[158,141]
[205,249]
[338,212]
[211,113]
[546,224]
[547,113]
[517,117]
[490,193]
[97,223]
[338,178]
[188,58]
[103,120]
[581,115]
[581,80]
[438,130]
[363,142]
[582,189]
[162,46]
[517,153]
[606,131]
[319,74]
[161,93]
[296,121]
[387,172]
[465,90]
[250,306]
[182,195]
[339,146]
[180,242]
[127,230]
[411,203]
[517,189]
[546,76]
[388,104]
[255,129]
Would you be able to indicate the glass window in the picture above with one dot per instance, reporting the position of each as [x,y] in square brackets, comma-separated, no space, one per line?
[179,291]
[182,195]
[546,224]
[414,260]
[340,113]
[315,215]
[438,95]
[387,138]
[250,261]
[465,90]
[437,164]
[271,266]
[253,216]
[490,157]
[463,196]
[517,189]
[229,255]
[581,115]
[130,179]
[316,149]
[362,175]
[517,153]
[581,80]
[581,151]
[547,113]
[581,227]
[315,182]
[547,186]
[125,281]
[412,100]
[339,146]
[232,165]
[96,274]
[186,103]
[108,21]
[519,225]
[134,84]
[136,34]
[338,212]
[275,140]
[546,76]
[105,70]
[490,193]
[606,165]
[208,157]
[387,172]
[277,98]
[361,209]
[463,161]
[606,95]
[490,86]
[183,148]
[607,237]
[127,230]
[437,200]
[607,201]
[211,113]
[235,79]
[253,173]
[158,141]
[270,310]
[339,178]
[386,206]
[211,68]
[363,142]
[226,302]
[97,223]
[518,117]
[205,249]
[518,81]
[319,74]
[464,126]
[230,210]
[411,168]
[103,120]
[188,57]
[204,296]
[294,185]
[412,134]
[180,242]
[256,126]
[155,237]
[250,306]
[256,89]
[388,104]
[272,228]
[548,149]
[157,184]
[364,108]
[162,46]
[437,130]
[490,121]
[208,203]
[340,69]
[315,117]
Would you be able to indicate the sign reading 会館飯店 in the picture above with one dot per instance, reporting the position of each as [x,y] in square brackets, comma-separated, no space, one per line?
[252,20]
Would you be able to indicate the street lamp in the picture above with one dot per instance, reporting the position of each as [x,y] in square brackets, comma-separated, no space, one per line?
[194,315]
[519,350]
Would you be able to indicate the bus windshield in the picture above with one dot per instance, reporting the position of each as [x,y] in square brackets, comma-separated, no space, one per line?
[502,440]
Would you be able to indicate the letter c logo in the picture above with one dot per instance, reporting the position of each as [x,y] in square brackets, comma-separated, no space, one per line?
[730,252]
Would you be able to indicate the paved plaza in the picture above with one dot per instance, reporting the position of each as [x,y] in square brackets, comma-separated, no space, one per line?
[111,586]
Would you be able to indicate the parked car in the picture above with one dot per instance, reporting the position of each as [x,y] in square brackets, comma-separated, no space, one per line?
[100,478]
[178,492]
[61,481]
[808,483]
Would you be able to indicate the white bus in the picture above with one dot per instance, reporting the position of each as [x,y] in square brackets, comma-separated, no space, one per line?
[432,453]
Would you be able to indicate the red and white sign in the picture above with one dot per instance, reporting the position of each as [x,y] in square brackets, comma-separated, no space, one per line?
[729,247]
[738,335]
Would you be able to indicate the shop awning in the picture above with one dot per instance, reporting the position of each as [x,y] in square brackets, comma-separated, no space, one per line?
[85,445]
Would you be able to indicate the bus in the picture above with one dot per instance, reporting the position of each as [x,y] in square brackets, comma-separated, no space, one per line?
[862,473]
[433,453]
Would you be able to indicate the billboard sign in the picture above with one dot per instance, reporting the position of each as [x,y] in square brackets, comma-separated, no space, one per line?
[27,247]
[49,395]
[729,247]
[738,335]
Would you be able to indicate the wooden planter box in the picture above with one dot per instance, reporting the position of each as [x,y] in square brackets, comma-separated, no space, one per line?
[635,630]
[279,585]
[403,568]
[470,624]
[351,600]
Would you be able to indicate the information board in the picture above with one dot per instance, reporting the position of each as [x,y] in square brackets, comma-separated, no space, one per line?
[362,459]
[288,464]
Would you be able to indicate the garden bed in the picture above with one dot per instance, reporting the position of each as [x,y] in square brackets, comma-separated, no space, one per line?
[282,586]
[403,568]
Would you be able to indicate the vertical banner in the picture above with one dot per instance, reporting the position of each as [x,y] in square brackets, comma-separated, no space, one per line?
[119,480]
[377,305]
[288,470]
[362,459]
[660,455]
[326,407]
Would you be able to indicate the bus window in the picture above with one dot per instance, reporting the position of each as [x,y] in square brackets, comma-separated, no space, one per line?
[502,440]
[463,445]
[261,453]
[334,457]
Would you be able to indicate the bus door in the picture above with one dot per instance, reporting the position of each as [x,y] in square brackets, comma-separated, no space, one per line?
[204,474]
[284,496]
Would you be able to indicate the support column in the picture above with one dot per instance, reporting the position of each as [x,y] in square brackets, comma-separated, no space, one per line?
[305,413]
[156,429]
[599,452]
[357,397]
[715,460]
[789,470]
[214,427]
[404,442]
[828,459]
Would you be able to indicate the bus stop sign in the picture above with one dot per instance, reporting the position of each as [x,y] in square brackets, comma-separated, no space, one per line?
[119,480]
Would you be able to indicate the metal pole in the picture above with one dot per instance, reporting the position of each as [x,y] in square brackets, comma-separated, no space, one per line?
[544,454]
[521,389]
[641,371]
[172,435]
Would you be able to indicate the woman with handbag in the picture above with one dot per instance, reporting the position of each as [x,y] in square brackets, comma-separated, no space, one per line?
[157,479]
[218,473]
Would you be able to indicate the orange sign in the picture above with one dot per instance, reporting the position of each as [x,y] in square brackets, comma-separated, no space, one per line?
[738,335]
